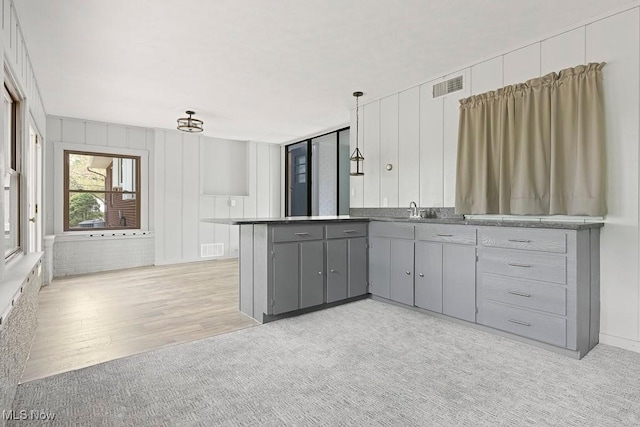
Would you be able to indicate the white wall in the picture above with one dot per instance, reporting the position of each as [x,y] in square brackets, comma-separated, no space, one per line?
[85,252]
[426,170]
[184,179]
[14,52]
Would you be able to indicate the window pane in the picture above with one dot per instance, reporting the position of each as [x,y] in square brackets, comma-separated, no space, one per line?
[87,172]
[121,210]
[86,210]
[11,212]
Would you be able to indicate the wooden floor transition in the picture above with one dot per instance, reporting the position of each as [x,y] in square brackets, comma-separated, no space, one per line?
[90,319]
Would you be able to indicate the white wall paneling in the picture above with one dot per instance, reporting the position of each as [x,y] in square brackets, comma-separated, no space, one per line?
[451,114]
[615,41]
[563,51]
[389,151]
[486,76]
[172,168]
[409,146]
[522,64]
[94,137]
[181,192]
[96,134]
[263,156]
[275,154]
[117,136]
[190,196]
[357,182]
[372,168]
[431,140]
[250,201]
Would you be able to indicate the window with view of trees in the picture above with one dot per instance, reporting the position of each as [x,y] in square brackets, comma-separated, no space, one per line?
[101,191]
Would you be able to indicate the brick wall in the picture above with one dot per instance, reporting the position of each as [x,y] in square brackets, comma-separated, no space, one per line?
[16,334]
[84,254]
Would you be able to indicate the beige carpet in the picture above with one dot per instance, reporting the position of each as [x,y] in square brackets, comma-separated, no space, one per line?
[364,363]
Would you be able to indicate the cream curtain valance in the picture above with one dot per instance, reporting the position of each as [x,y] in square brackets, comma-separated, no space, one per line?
[535,148]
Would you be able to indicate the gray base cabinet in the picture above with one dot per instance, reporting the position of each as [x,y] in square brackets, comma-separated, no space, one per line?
[337,269]
[311,274]
[429,276]
[380,266]
[541,284]
[358,267]
[401,287]
[459,281]
[284,268]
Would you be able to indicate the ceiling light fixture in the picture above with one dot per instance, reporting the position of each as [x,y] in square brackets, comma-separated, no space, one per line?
[357,156]
[189,124]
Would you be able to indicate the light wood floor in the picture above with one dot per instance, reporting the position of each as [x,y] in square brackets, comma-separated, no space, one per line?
[89,319]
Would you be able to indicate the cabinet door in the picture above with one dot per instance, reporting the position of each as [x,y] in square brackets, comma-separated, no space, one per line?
[357,267]
[402,271]
[337,272]
[428,280]
[285,277]
[379,266]
[311,273]
[459,281]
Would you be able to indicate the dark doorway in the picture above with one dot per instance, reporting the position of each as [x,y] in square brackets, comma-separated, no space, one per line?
[298,179]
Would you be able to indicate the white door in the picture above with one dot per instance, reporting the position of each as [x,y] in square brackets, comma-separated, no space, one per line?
[34,191]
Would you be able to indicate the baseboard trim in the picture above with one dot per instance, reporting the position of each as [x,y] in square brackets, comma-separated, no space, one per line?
[623,343]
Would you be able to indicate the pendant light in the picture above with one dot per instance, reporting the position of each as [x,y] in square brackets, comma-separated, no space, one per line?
[357,156]
[189,124]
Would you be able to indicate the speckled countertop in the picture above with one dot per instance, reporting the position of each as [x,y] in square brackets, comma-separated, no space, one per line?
[565,225]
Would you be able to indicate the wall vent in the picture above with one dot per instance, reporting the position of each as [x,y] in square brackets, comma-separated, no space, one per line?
[210,250]
[447,87]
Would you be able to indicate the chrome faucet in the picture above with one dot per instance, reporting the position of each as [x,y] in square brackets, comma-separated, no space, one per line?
[413,210]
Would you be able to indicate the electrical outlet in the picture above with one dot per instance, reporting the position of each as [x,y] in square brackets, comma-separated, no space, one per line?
[385,202]
[233,203]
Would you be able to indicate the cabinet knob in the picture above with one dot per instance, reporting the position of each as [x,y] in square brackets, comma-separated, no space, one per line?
[320,273]
[421,274]
[333,271]
[408,272]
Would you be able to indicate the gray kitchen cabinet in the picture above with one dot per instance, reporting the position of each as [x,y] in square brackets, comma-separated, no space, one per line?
[446,270]
[311,273]
[285,278]
[357,267]
[401,286]
[380,266]
[428,280]
[459,281]
[337,269]
[541,284]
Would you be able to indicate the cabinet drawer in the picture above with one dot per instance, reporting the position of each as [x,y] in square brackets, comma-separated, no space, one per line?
[537,326]
[523,293]
[390,229]
[446,233]
[296,233]
[346,229]
[527,265]
[526,239]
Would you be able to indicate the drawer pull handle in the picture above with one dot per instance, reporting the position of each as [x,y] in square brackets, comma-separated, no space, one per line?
[301,234]
[519,322]
[348,231]
[444,235]
[517,264]
[421,274]
[520,294]
[408,273]
[519,241]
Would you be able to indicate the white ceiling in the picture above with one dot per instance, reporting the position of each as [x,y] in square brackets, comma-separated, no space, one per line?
[264,70]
